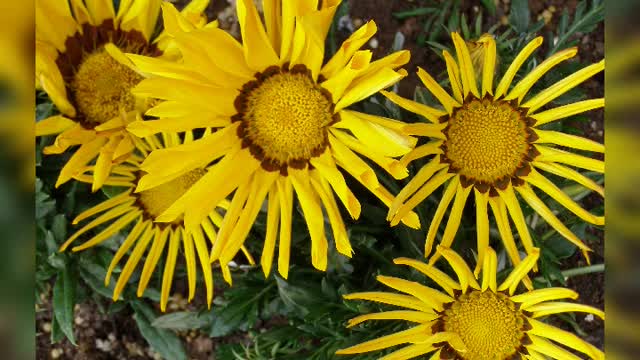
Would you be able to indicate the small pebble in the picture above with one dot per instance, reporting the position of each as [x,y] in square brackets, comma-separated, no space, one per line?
[373,43]
[46,327]
[589,318]
[56,353]
[357,22]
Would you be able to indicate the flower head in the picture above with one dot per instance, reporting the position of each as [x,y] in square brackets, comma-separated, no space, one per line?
[81,66]
[473,321]
[142,209]
[283,125]
[492,143]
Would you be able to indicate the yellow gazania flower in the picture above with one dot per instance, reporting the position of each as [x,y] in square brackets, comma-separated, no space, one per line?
[283,126]
[80,66]
[142,209]
[491,143]
[473,321]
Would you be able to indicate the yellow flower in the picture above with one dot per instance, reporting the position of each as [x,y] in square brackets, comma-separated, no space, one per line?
[491,143]
[283,125]
[472,321]
[80,65]
[142,209]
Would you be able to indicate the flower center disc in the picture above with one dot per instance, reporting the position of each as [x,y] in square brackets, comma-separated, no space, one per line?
[486,140]
[158,199]
[488,324]
[102,88]
[285,116]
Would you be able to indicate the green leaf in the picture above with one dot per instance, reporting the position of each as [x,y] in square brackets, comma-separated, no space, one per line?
[180,320]
[415,12]
[490,5]
[64,301]
[165,342]
[520,15]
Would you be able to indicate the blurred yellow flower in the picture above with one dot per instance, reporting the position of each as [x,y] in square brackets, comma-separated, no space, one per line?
[283,126]
[473,321]
[490,143]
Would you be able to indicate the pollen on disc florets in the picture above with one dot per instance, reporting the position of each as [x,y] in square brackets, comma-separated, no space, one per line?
[490,325]
[488,143]
[158,199]
[102,87]
[284,117]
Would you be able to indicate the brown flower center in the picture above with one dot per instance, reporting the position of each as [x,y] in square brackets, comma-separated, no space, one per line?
[489,324]
[488,143]
[285,115]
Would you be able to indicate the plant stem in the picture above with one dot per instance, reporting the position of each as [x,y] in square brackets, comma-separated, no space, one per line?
[578,271]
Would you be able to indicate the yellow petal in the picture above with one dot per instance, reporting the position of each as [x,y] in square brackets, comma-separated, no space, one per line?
[104,162]
[410,352]
[568,140]
[489,270]
[273,220]
[522,87]
[109,231]
[103,206]
[549,349]
[430,148]
[352,163]
[313,217]
[340,236]
[429,113]
[422,129]
[54,22]
[548,154]
[347,49]
[139,228]
[326,167]
[537,296]
[563,86]
[405,301]
[565,111]
[423,176]
[442,279]
[445,99]
[552,190]
[53,125]
[132,262]
[429,187]
[538,206]
[505,82]
[365,87]
[431,297]
[401,337]
[565,338]
[169,267]
[231,218]
[489,64]
[406,315]
[548,308]
[203,255]
[258,52]
[465,276]
[386,141]
[519,272]
[272,10]
[392,166]
[157,246]
[482,233]
[101,10]
[339,82]
[455,216]
[570,174]
[443,205]
[80,158]
[190,259]
[453,71]
[468,77]
[285,192]
[513,206]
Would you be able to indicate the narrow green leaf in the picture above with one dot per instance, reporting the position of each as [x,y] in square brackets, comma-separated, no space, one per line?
[415,12]
[64,301]
[180,320]
[490,5]
[165,342]
[520,15]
